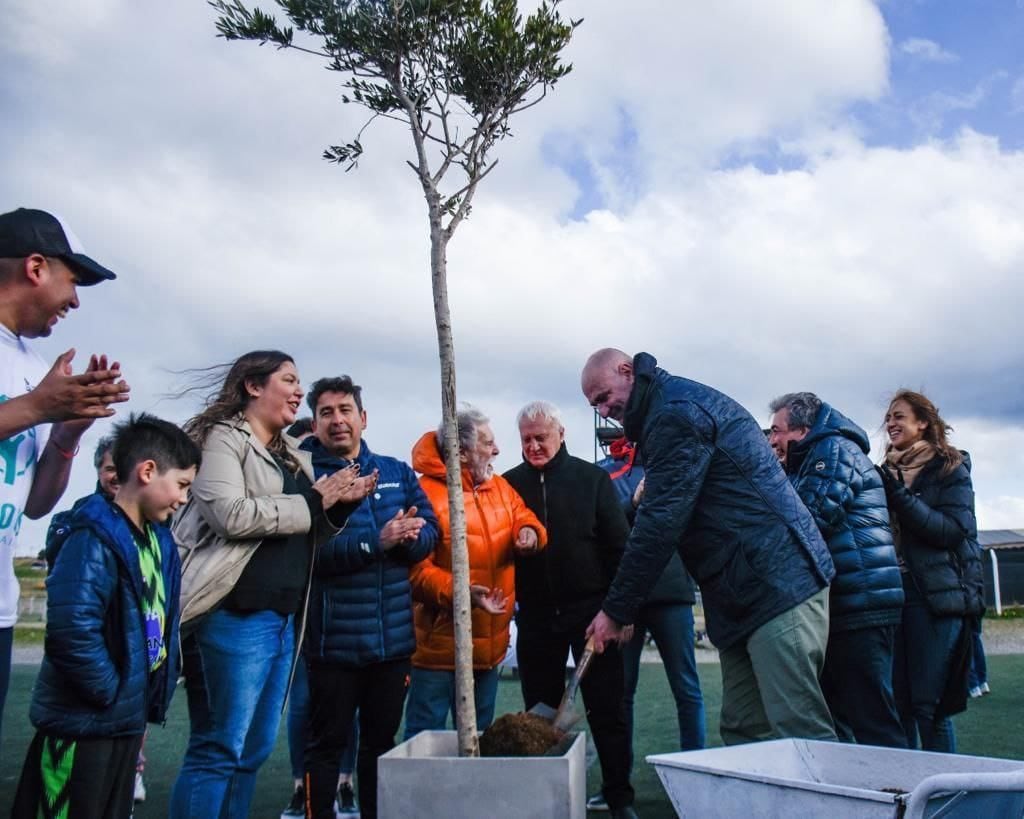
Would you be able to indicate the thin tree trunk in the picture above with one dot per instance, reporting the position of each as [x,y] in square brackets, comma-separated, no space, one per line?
[465,707]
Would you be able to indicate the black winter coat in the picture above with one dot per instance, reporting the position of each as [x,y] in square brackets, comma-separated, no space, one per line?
[939,536]
[843,491]
[716,492]
[95,679]
[587,530]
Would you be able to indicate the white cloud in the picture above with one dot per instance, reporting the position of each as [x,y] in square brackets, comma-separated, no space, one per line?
[1017,95]
[925,50]
[191,166]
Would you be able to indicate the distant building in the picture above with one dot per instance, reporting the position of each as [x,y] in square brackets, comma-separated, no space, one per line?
[1003,561]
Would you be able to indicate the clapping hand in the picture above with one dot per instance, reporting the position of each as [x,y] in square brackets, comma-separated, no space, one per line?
[404,527]
[341,486]
[62,396]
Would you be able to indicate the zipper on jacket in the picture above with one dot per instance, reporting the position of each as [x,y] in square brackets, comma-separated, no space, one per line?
[544,498]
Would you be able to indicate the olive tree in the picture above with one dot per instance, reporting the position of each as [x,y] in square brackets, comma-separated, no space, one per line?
[454,72]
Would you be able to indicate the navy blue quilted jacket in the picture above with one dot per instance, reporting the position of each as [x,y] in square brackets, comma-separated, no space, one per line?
[95,679]
[360,608]
[842,489]
[674,587]
[939,537]
[716,492]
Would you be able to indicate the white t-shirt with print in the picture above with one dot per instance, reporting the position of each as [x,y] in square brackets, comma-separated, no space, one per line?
[20,370]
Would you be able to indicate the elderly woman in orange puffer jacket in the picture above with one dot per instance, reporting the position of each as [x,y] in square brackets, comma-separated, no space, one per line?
[498,527]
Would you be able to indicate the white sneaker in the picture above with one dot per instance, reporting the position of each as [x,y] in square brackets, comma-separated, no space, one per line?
[596,802]
[984,688]
[140,788]
[974,692]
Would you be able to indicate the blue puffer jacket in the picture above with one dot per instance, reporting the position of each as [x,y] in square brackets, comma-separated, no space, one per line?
[714,484]
[843,491]
[360,609]
[95,679]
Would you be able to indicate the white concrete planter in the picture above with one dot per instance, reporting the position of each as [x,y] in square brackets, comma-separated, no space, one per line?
[424,776]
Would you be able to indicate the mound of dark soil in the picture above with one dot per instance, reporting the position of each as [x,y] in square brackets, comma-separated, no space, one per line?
[518,735]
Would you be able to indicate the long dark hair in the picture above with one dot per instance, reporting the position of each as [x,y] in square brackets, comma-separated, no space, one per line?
[227,396]
[935,432]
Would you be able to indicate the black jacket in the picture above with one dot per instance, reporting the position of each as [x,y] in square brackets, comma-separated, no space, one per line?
[716,492]
[587,530]
[842,490]
[939,536]
[675,586]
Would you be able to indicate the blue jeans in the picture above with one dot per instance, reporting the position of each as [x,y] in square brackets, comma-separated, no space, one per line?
[671,625]
[979,668]
[921,668]
[432,698]
[298,727]
[236,672]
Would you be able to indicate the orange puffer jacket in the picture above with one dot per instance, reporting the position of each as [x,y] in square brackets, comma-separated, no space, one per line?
[494,515]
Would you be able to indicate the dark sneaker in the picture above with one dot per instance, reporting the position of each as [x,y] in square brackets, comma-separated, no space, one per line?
[297,807]
[346,799]
[596,802]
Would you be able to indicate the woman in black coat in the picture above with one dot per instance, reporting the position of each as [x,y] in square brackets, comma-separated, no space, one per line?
[931,505]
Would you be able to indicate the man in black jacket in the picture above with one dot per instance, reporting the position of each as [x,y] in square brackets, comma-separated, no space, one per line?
[714,491]
[825,455]
[559,592]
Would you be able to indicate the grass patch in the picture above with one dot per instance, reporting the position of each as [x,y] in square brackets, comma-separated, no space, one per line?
[992,726]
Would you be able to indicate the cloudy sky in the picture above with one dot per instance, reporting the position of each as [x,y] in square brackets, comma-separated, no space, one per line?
[767,196]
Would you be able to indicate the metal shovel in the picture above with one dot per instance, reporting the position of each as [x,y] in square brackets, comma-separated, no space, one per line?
[565,717]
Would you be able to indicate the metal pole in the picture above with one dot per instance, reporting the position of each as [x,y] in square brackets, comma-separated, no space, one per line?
[995,582]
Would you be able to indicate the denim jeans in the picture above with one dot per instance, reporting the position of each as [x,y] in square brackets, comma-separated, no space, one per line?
[921,669]
[236,671]
[857,683]
[671,626]
[979,668]
[298,727]
[432,698]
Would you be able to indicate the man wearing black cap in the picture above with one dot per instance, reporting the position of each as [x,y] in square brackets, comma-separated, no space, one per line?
[41,264]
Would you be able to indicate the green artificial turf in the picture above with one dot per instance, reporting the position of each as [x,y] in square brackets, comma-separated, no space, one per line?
[992,726]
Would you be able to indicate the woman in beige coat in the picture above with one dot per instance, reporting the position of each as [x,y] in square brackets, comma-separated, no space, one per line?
[247,538]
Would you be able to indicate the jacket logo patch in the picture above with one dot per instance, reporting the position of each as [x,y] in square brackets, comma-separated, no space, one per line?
[819,466]
[393,485]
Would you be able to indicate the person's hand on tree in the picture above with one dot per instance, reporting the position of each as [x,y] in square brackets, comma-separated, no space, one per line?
[404,527]
[493,601]
[527,541]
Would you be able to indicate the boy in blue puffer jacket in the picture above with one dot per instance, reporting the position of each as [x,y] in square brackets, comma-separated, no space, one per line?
[111,660]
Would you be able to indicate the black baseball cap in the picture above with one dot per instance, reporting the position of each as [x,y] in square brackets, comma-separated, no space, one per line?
[26,231]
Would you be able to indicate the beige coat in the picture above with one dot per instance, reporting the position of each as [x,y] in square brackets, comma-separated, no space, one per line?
[236,501]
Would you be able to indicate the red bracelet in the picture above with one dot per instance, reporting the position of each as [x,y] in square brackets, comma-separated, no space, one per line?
[64,453]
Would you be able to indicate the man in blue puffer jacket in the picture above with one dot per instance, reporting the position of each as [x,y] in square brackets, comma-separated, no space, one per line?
[360,636]
[111,659]
[825,455]
[714,490]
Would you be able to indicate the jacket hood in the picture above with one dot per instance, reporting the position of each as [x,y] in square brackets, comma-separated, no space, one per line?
[109,524]
[831,421]
[427,460]
[645,372]
[324,458]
